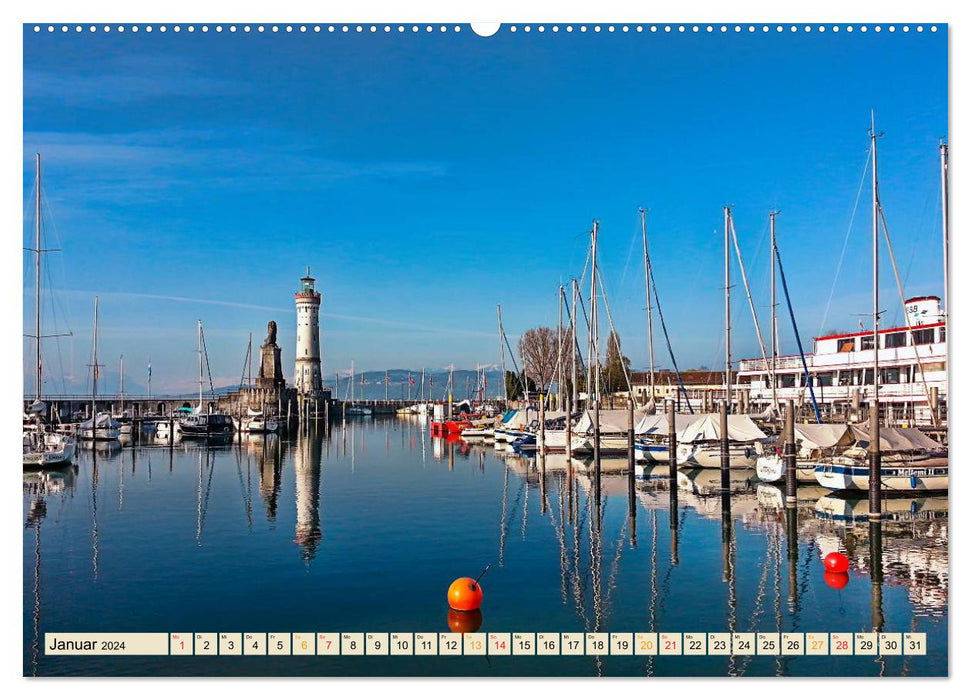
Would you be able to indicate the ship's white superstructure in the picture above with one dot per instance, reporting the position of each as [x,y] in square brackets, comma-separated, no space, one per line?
[913,369]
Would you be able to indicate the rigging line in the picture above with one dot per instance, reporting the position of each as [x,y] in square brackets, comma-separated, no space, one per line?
[903,303]
[748,293]
[667,340]
[846,239]
[212,390]
[610,321]
[795,332]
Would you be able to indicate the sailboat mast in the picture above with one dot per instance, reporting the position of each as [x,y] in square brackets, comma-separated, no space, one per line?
[650,306]
[876,271]
[94,372]
[559,340]
[774,329]
[943,148]
[502,356]
[573,347]
[121,374]
[728,314]
[37,282]
[595,322]
[199,351]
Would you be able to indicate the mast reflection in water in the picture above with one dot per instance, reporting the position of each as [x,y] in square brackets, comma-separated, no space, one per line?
[380,503]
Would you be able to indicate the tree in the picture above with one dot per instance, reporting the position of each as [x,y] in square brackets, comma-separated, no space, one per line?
[538,348]
[515,383]
[617,367]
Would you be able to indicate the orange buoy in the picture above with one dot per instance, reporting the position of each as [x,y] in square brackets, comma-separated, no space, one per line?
[836,579]
[465,594]
[467,621]
[836,562]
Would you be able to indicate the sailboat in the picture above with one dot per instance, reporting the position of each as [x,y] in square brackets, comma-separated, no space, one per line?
[42,446]
[353,410]
[204,425]
[913,462]
[101,426]
[124,420]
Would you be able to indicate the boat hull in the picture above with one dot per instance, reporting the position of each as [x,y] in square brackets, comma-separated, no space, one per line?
[772,468]
[896,478]
[652,453]
[707,456]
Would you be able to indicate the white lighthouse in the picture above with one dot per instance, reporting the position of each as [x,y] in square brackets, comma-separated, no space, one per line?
[306,375]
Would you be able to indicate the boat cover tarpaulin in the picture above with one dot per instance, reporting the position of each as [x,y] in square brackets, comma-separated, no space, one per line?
[741,428]
[898,439]
[657,424]
[611,421]
[816,436]
[521,418]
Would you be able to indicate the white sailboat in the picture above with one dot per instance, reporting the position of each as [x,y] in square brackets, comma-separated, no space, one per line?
[101,426]
[42,446]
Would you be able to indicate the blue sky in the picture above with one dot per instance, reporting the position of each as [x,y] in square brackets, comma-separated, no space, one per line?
[426,178]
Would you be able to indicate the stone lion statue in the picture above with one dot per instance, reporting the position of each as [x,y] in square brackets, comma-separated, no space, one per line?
[270,333]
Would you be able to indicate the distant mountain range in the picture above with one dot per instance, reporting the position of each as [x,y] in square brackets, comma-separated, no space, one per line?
[371,385]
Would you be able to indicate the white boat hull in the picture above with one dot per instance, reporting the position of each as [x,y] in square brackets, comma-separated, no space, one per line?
[771,468]
[932,476]
[652,453]
[609,444]
[58,450]
[708,456]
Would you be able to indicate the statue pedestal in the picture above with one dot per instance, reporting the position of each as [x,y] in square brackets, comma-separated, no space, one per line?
[271,370]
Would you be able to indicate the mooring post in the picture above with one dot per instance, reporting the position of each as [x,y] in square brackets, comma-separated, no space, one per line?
[630,455]
[672,447]
[723,437]
[789,454]
[541,438]
[876,485]
[171,430]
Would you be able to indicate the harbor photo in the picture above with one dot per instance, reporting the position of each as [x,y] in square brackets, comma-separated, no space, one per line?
[519,350]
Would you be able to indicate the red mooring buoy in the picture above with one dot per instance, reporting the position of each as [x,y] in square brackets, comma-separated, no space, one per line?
[836,562]
[836,579]
[465,594]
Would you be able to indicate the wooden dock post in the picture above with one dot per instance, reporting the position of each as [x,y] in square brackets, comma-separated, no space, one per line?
[789,454]
[541,438]
[725,455]
[876,485]
[630,455]
[672,446]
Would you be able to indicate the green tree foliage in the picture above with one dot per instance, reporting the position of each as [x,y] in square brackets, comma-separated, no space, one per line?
[617,367]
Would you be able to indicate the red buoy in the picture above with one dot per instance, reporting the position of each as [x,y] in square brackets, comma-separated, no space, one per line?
[836,579]
[464,594]
[836,562]
[463,622]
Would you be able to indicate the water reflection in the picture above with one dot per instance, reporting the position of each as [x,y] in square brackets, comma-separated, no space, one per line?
[565,554]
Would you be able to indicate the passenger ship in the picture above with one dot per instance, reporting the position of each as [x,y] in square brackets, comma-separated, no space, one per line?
[841,368]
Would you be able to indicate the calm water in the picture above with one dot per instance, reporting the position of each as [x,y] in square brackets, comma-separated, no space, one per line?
[363,529]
